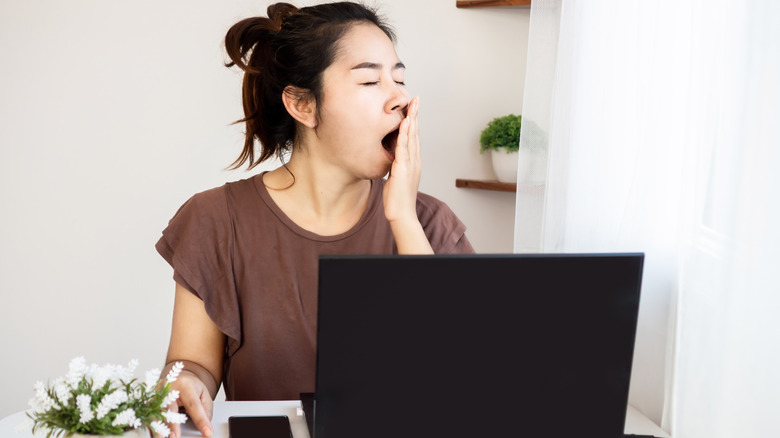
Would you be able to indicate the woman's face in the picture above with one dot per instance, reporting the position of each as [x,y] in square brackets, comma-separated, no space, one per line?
[363,100]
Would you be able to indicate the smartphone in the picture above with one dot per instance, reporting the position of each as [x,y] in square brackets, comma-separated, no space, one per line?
[277,426]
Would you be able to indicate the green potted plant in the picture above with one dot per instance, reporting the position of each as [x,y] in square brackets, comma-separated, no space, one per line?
[98,401]
[513,161]
[502,138]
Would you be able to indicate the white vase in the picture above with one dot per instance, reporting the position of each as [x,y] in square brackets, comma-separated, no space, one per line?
[134,433]
[505,165]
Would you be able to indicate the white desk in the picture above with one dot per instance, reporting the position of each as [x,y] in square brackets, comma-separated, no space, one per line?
[636,423]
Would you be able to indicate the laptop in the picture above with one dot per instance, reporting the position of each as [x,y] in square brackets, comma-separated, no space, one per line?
[506,345]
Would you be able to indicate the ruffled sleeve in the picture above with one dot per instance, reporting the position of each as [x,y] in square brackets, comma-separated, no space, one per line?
[445,232]
[198,244]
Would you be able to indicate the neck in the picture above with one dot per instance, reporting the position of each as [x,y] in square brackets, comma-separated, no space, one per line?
[320,198]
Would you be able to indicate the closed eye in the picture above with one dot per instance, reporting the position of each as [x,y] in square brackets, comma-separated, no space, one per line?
[368,84]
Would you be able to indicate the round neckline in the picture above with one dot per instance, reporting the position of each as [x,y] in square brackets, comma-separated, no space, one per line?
[374,193]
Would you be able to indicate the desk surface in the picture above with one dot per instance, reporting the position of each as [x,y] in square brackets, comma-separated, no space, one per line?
[636,423]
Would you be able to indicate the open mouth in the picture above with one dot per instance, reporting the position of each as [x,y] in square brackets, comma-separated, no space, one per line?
[390,140]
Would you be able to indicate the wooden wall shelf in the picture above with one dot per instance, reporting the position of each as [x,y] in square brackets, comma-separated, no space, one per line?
[529,189]
[485,185]
[488,3]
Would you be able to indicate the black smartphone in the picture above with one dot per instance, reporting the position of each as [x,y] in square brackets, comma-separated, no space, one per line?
[277,426]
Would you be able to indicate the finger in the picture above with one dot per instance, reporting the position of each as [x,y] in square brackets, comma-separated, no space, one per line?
[402,144]
[414,129]
[198,415]
[175,405]
[208,405]
[175,431]
[175,428]
[406,135]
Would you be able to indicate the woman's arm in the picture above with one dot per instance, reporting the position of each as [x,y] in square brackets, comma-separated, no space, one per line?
[410,237]
[200,345]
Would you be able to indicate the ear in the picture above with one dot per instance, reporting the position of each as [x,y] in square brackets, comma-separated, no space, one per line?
[301,105]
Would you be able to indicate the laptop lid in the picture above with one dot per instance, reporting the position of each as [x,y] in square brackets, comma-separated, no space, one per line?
[475,345]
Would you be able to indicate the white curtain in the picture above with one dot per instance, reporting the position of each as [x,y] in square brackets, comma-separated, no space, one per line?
[662,137]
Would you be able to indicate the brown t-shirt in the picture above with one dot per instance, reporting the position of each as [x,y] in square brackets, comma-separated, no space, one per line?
[256,272]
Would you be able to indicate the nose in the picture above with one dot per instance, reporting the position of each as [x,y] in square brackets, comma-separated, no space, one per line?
[397,100]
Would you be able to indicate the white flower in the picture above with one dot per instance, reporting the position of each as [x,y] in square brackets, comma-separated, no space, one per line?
[77,370]
[120,375]
[173,374]
[170,398]
[83,402]
[151,377]
[99,375]
[24,426]
[160,428]
[62,391]
[110,402]
[114,373]
[41,402]
[128,372]
[127,418]
[174,417]
[34,405]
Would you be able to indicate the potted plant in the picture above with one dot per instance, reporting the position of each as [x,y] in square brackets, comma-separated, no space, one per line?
[107,400]
[502,138]
[511,160]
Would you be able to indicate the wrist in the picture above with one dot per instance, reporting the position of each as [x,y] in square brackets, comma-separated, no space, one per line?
[193,368]
[410,237]
[408,220]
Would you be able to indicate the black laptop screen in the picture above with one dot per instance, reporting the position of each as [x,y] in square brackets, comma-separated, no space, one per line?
[475,345]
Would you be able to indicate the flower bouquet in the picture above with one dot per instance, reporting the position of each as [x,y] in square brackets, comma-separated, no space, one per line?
[104,400]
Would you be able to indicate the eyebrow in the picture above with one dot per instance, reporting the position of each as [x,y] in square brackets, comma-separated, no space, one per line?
[375,66]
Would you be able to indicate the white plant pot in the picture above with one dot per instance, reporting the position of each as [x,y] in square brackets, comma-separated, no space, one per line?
[135,433]
[505,165]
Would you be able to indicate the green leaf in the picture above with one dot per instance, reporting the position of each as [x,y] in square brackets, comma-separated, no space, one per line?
[501,133]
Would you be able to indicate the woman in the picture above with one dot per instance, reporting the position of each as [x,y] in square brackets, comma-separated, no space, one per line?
[325,84]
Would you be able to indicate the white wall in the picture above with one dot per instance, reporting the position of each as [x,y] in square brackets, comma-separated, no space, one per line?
[113,113]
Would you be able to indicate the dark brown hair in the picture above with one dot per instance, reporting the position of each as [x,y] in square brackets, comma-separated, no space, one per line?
[291,47]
